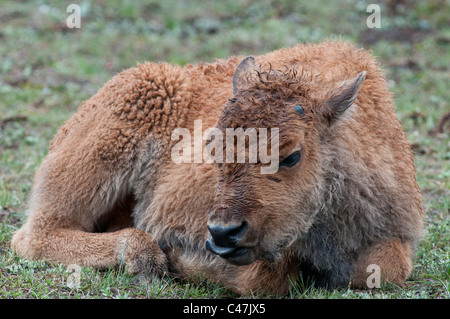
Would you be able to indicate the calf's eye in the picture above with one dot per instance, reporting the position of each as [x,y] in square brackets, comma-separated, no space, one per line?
[291,160]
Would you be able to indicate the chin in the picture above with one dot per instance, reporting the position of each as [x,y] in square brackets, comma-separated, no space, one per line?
[239,256]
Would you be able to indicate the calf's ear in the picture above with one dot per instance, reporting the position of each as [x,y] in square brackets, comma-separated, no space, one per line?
[242,74]
[341,98]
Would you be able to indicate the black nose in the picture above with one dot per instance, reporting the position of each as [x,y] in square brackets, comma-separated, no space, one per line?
[227,236]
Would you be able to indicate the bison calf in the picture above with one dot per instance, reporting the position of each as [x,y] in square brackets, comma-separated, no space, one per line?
[343,195]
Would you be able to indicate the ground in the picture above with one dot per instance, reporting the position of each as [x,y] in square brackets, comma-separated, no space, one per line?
[47,70]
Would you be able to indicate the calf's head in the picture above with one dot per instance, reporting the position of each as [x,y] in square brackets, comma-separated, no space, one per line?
[262,216]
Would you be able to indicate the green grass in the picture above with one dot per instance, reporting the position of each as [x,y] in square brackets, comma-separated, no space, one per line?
[46,71]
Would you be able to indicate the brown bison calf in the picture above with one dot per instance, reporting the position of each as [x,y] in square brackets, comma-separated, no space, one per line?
[343,195]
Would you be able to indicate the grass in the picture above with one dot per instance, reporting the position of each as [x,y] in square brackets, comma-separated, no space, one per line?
[47,70]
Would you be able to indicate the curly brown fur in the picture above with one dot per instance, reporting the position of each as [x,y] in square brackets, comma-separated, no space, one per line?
[108,192]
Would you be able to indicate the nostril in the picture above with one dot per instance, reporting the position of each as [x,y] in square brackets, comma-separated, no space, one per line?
[227,236]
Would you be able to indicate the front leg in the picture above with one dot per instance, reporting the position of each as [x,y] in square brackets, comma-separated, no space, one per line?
[392,257]
[265,277]
[131,248]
